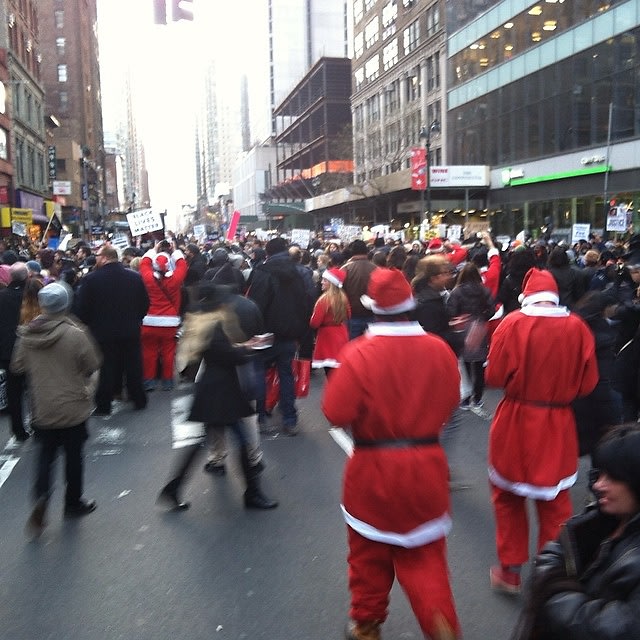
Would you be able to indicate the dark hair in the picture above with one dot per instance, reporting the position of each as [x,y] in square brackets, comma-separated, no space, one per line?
[397,257]
[276,245]
[470,273]
[618,455]
[558,258]
[358,248]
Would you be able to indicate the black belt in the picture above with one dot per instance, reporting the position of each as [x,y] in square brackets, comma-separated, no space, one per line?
[396,444]
[536,403]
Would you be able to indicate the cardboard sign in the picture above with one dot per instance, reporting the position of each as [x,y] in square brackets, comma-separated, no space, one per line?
[144,221]
[580,232]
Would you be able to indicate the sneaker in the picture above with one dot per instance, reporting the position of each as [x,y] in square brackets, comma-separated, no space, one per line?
[149,385]
[36,522]
[465,404]
[480,411]
[290,430]
[80,508]
[504,580]
[167,385]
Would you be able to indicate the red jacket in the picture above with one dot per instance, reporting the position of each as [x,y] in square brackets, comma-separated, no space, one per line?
[164,290]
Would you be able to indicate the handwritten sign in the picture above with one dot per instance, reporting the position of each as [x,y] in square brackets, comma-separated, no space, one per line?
[144,221]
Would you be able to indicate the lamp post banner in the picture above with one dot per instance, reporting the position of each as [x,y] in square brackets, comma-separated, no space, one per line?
[418,168]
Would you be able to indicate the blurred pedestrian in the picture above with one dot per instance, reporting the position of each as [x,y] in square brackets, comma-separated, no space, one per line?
[50,344]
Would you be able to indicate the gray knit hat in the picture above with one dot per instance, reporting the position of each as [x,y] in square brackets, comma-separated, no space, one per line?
[55,298]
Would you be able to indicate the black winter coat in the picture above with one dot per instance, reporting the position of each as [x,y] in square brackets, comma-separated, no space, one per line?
[278,290]
[10,303]
[608,606]
[431,312]
[219,399]
[112,301]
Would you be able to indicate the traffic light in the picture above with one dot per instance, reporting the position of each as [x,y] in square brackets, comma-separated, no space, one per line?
[160,11]
[181,10]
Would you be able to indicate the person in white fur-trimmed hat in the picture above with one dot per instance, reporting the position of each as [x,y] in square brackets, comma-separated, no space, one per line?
[544,358]
[163,271]
[396,493]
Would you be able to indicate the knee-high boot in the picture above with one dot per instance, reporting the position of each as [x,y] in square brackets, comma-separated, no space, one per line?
[170,492]
[253,496]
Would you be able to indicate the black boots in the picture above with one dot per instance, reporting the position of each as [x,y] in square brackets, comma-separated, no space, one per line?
[253,496]
[169,496]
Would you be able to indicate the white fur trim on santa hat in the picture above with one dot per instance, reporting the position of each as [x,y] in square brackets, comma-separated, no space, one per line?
[402,307]
[327,275]
[538,296]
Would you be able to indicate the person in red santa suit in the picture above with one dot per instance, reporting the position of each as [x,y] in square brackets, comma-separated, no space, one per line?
[544,358]
[163,272]
[329,318]
[395,489]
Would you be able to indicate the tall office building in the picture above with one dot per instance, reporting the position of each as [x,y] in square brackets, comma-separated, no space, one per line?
[290,37]
[71,79]
[547,93]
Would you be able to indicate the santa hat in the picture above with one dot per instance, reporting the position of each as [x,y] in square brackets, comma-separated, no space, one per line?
[435,246]
[335,276]
[162,262]
[388,293]
[538,286]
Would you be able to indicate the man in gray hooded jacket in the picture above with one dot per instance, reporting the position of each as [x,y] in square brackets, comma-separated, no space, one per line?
[52,343]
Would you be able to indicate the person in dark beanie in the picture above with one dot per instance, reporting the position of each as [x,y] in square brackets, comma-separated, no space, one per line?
[10,303]
[52,343]
[586,583]
[277,288]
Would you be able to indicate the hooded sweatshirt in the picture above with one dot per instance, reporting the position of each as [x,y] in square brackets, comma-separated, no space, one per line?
[58,355]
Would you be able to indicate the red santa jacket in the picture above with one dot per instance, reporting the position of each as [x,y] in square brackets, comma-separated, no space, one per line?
[543,357]
[395,382]
[164,289]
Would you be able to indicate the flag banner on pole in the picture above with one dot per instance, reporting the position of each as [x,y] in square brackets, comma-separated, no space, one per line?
[418,168]
[233,225]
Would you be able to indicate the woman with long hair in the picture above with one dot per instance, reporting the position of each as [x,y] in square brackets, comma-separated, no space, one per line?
[329,318]
[472,299]
[30,307]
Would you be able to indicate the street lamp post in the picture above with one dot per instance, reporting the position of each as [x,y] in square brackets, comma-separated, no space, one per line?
[425,134]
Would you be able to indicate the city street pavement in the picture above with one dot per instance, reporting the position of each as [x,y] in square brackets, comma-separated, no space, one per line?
[131,570]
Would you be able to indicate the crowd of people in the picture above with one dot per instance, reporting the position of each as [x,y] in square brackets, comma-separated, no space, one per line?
[555,326]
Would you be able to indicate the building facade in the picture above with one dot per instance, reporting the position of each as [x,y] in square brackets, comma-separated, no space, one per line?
[547,94]
[71,79]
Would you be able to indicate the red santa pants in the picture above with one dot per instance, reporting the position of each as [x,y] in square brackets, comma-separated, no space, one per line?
[421,571]
[512,525]
[158,342]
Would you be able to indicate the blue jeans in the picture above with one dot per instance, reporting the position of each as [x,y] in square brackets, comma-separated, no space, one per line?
[281,354]
[357,326]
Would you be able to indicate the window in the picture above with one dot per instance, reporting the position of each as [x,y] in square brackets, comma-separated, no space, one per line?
[392,97]
[368,4]
[359,118]
[4,154]
[358,44]
[59,19]
[371,32]
[357,11]
[62,73]
[433,19]
[61,166]
[373,109]
[390,55]
[389,15]
[64,101]
[60,43]
[411,37]
[413,85]
[372,68]
[29,109]
[359,76]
